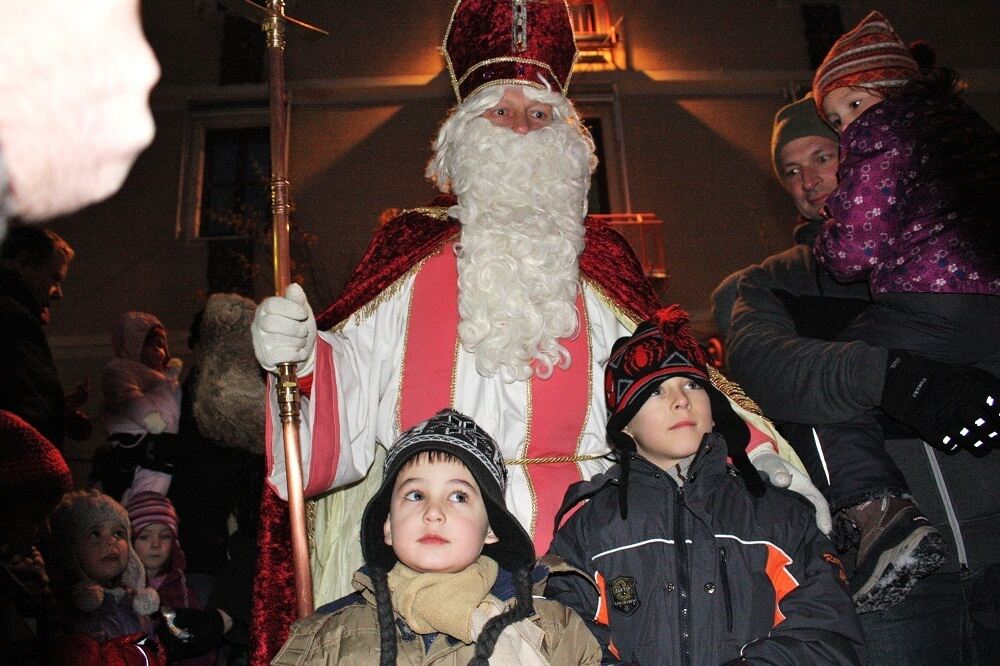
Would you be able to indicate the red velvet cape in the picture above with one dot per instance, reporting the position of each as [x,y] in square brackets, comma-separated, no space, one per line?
[607,260]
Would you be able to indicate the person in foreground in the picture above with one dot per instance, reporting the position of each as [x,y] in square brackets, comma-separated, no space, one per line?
[694,560]
[448,570]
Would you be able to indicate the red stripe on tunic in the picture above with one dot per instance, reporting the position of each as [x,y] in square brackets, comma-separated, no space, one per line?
[325,454]
[432,333]
[559,408]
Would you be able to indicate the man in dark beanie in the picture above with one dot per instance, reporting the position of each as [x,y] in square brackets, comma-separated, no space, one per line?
[448,569]
[781,320]
[695,560]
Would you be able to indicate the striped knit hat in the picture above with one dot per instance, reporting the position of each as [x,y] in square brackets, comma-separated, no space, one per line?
[149,508]
[870,56]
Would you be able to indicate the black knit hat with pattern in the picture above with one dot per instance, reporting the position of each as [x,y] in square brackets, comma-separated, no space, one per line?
[456,434]
[661,347]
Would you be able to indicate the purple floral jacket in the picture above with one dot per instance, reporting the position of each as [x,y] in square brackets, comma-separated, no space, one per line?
[917,208]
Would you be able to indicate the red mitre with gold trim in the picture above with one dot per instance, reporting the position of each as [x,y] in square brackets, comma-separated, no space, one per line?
[500,42]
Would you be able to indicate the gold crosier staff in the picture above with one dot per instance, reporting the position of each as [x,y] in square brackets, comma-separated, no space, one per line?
[273,24]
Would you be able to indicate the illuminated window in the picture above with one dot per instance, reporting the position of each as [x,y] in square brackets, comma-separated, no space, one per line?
[595,34]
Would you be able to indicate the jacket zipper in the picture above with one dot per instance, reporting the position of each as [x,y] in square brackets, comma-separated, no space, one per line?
[683,584]
[724,573]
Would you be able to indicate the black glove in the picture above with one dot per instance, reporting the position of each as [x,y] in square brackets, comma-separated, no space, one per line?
[949,406]
[736,432]
[204,629]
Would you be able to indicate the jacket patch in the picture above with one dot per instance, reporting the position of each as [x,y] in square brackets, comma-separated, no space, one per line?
[624,597]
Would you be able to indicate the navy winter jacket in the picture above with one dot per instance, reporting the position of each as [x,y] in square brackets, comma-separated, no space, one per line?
[704,574]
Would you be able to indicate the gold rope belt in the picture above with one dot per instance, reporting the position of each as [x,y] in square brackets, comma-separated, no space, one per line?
[552,459]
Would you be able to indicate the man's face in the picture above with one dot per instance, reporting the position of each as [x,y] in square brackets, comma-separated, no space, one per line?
[437,519]
[44,281]
[809,172]
[518,113]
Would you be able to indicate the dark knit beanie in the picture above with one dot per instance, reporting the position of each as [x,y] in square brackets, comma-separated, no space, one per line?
[795,121]
[659,348]
[458,435]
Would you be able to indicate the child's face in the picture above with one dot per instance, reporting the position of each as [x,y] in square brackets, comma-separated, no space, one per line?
[153,545]
[437,519]
[154,350]
[842,106]
[671,423]
[103,551]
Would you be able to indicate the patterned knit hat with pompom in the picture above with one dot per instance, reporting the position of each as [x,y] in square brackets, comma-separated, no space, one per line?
[870,56]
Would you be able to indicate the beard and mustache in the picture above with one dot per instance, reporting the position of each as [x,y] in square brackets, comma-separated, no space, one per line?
[521,202]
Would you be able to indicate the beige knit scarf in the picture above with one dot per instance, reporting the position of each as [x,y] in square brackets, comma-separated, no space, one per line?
[441,602]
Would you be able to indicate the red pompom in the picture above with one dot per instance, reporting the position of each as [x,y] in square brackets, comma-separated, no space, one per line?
[674,321]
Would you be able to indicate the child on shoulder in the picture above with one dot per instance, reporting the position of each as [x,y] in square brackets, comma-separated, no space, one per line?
[448,570]
[693,559]
[915,215]
[142,396]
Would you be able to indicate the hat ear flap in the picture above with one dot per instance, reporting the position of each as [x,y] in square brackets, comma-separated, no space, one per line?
[134,575]
[625,445]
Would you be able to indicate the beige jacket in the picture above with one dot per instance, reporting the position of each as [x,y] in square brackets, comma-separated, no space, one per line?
[350,635]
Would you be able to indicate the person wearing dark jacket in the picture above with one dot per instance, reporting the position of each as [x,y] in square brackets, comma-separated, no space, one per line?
[781,320]
[33,265]
[694,560]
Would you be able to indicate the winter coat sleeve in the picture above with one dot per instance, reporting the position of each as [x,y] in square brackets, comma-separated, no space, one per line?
[864,207]
[573,588]
[795,378]
[567,638]
[814,615]
[723,299]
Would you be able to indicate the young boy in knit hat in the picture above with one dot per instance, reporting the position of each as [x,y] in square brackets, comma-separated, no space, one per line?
[96,575]
[154,537]
[448,569]
[693,559]
[915,215]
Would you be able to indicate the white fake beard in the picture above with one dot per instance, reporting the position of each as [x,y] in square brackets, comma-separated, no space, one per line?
[521,202]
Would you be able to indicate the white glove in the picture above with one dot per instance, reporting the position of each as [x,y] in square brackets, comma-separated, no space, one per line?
[782,474]
[284,331]
[154,423]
